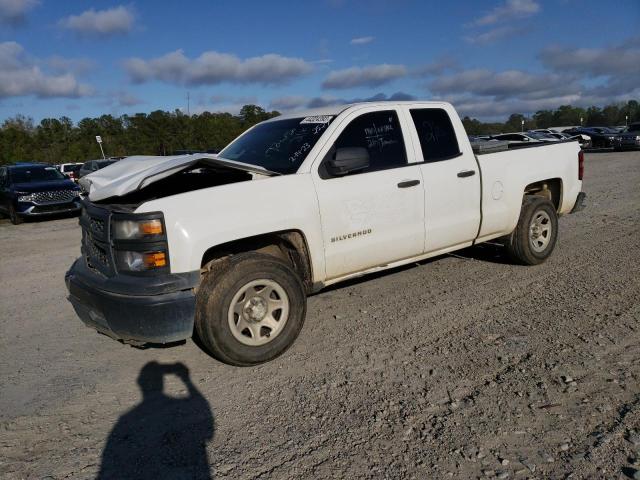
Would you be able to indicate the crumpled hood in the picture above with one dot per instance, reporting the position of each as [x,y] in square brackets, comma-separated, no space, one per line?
[139,171]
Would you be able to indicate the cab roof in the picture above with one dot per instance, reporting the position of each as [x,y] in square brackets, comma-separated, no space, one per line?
[335,110]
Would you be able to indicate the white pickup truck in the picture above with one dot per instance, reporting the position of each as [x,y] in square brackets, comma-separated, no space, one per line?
[228,246]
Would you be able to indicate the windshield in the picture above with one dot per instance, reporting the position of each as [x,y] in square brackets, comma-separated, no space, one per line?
[539,135]
[280,146]
[35,174]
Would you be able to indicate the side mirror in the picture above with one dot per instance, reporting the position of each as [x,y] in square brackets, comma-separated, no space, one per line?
[348,160]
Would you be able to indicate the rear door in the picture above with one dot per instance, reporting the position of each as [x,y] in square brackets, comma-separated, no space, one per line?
[451,178]
[374,216]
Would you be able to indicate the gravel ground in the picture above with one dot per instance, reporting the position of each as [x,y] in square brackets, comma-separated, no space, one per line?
[460,367]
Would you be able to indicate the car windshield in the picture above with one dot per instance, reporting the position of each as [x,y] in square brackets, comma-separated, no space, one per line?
[35,174]
[539,135]
[280,145]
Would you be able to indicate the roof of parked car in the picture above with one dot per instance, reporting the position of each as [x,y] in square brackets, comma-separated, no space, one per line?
[29,164]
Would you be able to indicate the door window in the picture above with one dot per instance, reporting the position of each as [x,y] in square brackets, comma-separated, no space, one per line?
[380,133]
[435,131]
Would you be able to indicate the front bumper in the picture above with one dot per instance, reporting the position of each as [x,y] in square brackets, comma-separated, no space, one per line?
[29,209]
[628,145]
[134,309]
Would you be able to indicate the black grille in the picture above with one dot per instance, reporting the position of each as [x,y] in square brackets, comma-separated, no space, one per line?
[95,239]
[97,225]
[96,252]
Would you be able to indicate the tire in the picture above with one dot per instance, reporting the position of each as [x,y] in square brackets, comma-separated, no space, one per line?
[240,305]
[13,216]
[535,236]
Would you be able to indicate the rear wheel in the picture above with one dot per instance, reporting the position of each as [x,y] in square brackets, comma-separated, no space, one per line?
[13,215]
[534,238]
[250,308]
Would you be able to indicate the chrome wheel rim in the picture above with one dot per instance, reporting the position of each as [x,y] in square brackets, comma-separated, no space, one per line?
[258,312]
[540,231]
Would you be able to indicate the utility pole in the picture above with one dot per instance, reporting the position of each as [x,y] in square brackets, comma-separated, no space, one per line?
[188,104]
[99,140]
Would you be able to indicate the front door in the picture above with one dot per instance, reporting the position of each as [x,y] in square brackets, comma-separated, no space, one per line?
[374,216]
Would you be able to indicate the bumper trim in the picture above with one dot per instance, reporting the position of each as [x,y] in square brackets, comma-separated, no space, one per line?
[161,318]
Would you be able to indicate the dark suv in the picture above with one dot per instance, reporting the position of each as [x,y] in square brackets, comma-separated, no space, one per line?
[34,190]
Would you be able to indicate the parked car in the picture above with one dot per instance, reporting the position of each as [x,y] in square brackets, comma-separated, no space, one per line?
[584,140]
[36,189]
[517,139]
[630,138]
[601,137]
[95,165]
[70,170]
[231,244]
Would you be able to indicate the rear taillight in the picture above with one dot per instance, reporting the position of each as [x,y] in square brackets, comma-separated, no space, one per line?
[580,164]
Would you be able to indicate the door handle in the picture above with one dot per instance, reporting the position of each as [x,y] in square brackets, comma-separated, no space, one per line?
[466,173]
[408,183]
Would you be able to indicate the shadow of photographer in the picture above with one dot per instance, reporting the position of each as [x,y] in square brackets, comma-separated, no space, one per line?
[163,436]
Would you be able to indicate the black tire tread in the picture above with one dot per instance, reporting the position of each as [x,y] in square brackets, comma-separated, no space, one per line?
[517,243]
[217,282]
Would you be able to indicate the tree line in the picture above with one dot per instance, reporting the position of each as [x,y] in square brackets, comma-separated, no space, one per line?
[563,116]
[59,140]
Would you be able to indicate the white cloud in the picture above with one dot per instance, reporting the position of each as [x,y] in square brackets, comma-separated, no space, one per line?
[230,99]
[289,102]
[512,9]
[495,34]
[113,21]
[361,40]
[296,102]
[369,76]
[125,99]
[14,12]
[212,68]
[506,84]
[618,60]
[79,66]
[437,67]
[577,76]
[20,76]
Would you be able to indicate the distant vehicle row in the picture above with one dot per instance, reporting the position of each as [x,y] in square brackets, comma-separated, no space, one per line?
[75,171]
[588,137]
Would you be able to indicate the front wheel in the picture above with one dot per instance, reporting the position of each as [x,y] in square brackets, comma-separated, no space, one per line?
[534,238]
[250,308]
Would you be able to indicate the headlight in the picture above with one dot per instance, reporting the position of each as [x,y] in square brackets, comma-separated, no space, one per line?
[140,261]
[25,198]
[638,137]
[137,229]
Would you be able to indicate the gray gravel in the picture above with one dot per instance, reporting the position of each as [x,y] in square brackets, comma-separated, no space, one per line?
[459,367]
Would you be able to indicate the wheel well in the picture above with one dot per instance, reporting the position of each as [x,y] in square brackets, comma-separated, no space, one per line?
[550,189]
[289,245]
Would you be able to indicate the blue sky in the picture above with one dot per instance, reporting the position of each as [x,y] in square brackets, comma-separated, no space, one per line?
[489,58]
